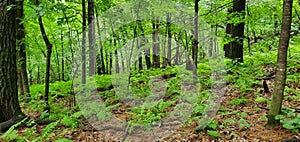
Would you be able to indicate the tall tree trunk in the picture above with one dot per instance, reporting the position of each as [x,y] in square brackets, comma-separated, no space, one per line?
[92,48]
[110,62]
[116,56]
[9,103]
[234,49]
[195,42]
[83,46]
[155,48]
[48,60]
[62,57]
[169,46]
[21,44]
[281,63]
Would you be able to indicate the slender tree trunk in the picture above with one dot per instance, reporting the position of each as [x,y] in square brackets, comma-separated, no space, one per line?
[169,46]
[48,60]
[83,46]
[281,63]
[234,49]
[117,58]
[38,80]
[155,48]
[195,42]
[92,48]
[9,103]
[62,57]
[21,44]
[110,62]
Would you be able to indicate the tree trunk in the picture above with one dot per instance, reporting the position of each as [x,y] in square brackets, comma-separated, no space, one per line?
[48,60]
[62,58]
[9,103]
[195,42]
[281,64]
[117,58]
[155,48]
[21,44]
[169,46]
[92,49]
[234,49]
[83,46]
[110,62]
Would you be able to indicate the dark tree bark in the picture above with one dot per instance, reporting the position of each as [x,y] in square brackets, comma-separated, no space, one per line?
[9,103]
[195,42]
[48,60]
[281,63]
[155,47]
[83,46]
[234,49]
[116,56]
[110,62]
[169,46]
[92,48]
[21,53]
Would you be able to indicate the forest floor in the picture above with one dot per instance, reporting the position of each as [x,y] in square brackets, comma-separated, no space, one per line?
[255,130]
[243,120]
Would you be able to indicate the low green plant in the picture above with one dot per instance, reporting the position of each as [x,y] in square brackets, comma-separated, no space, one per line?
[289,119]
[238,101]
[214,134]
[262,100]
[12,134]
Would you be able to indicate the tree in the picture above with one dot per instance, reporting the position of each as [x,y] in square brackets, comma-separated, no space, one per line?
[83,52]
[91,27]
[195,42]
[21,52]
[155,47]
[234,49]
[48,57]
[281,63]
[10,110]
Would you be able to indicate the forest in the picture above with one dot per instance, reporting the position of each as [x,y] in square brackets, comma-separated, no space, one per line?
[149,70]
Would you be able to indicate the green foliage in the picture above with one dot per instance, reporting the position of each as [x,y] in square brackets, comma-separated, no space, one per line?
[238,101]
[12,134]
[214,134]
[48,130]
[63,140]
[72,121]
[146,116]
[103,81]
[213,125]
[289,119]
[262,100]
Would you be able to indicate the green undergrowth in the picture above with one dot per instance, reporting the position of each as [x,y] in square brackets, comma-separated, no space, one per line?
[160,92]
